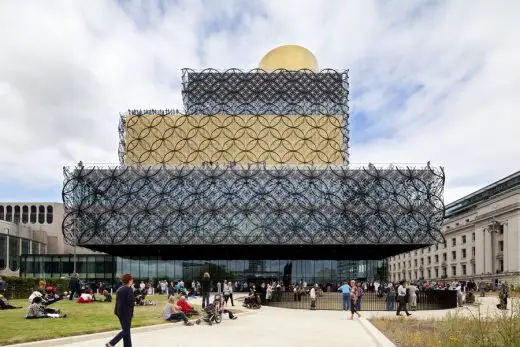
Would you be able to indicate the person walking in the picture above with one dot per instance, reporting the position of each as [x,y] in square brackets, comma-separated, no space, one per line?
[345,289]
[228,292]
[205,289]
[390,298]
[353,300]
[401,299]
[359,297]
[124,310]
[74,286]
[313,296]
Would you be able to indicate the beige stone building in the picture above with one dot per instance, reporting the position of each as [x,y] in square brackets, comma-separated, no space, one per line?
[30,228]
[482,232]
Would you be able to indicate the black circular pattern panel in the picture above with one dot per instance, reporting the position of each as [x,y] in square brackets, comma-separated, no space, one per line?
[224,205]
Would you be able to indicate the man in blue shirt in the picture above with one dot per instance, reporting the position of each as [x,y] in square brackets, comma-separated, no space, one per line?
[345,289]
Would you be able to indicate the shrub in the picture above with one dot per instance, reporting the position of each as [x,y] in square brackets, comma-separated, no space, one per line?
[20,288]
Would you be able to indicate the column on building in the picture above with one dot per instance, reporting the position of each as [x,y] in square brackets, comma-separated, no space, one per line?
[514,243]
[488,251]
[479,251]
[506,246]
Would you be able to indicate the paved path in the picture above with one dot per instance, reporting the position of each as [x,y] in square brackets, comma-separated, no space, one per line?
[255,328]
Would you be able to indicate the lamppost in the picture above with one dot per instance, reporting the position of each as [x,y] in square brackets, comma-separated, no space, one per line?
[74,245]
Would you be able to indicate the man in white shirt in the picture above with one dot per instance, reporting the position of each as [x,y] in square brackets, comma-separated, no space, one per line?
[313,297]
[401,299]
[460,296]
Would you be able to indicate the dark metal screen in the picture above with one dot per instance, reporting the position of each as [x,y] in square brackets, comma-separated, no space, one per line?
[253,205]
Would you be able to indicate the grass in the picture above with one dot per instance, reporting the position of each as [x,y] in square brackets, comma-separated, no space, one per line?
[81,319]
[496,330]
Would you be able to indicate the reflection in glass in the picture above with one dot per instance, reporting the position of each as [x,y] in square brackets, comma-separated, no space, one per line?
[93,268]
[3,251]
[14,253]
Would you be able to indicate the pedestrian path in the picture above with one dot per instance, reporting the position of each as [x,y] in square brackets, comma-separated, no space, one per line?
[253,328]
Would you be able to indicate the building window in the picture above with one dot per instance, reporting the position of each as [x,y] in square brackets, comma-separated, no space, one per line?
[473,237]
[41,214]
[473,271]
[436,273]
[437,247]
[17,214]
[33,214]
[463,239]
[3,250]
[9,213]
[14,253]
[2,213]
[49,214]
[415,262]
[501,265]
[454,255]
[25,214]
[429,249]
[445,244]
[454,270]
[422,250]
[472,251]
[429,273]
[501,246]
[422,261]
[463,270]
[463,253]
[445,256]
[429,260]
[436,258]
[444,272]
[454,241]
[415,252]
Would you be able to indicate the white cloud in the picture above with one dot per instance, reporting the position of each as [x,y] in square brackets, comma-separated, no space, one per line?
[68,67]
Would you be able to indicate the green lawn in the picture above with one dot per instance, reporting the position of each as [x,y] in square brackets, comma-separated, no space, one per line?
[82,319]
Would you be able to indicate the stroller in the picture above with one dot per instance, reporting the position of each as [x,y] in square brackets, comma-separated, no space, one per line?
[214,311]
[253,301]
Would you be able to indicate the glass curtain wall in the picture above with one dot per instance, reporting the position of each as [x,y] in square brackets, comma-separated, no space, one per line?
[95,268]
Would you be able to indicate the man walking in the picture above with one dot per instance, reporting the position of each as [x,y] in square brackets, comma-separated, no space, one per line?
[74,286]
[345,289]
[401,299]
[205,289]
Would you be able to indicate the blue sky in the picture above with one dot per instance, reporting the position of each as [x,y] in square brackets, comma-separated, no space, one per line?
[430,80]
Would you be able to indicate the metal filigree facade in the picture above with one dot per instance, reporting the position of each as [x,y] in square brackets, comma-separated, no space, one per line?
[284,117]
[256,205]
[255,158]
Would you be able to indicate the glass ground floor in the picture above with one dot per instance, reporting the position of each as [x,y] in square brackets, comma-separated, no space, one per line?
[96,268]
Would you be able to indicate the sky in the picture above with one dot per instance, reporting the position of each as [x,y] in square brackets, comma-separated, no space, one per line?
[429,80]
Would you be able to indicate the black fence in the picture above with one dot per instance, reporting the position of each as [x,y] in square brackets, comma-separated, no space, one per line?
[425,300]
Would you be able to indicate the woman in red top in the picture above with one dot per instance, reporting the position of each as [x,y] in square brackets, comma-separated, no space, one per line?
[186,307]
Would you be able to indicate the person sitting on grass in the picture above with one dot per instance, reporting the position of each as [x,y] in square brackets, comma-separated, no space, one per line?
[107,295]
[85,298]
[4,304]
[37,310]
[186,307]
[173,313]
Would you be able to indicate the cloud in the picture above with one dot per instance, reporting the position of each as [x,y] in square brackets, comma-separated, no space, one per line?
[432,80]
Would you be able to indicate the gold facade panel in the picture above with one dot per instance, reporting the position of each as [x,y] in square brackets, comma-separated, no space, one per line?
[224,139]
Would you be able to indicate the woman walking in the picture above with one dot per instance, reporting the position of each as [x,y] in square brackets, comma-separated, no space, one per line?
[353,300]
[124,310]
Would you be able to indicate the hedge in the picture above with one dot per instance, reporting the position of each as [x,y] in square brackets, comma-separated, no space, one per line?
[21,288]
